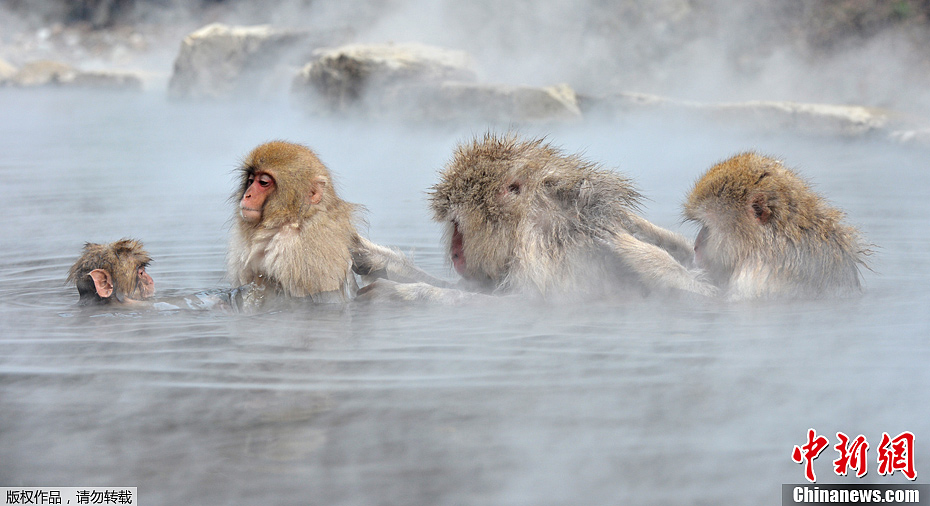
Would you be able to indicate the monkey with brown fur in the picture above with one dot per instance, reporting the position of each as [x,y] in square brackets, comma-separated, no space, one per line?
[766,233]
[523,217]
[112,273]
[292,234]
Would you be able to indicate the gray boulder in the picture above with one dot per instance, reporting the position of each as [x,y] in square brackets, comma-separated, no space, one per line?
[53,73]
[221,62]
[416,82]
[827,119]
[107,80]
[493,103]
[823,119]
[43,73]
[7,71]
[363,76]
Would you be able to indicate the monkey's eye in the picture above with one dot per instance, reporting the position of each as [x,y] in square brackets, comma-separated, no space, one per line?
[250,180]
[514,188]
[265,181]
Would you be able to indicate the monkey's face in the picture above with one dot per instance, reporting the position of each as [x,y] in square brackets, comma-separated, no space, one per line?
[482,208]
[282,183]
[144,285]
[113,272]
[131,279]
[258,186]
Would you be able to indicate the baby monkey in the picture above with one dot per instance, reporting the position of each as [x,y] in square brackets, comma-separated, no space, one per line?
[765,233]
[112,273]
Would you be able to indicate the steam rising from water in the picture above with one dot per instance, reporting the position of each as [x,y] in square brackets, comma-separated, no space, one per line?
[711,50]
[651,402]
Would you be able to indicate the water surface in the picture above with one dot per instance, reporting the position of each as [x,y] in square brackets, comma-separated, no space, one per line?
[644,402]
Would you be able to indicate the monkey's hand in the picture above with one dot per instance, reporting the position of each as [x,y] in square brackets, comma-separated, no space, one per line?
[387,290]
[655,266]
[375,261]
[681,249]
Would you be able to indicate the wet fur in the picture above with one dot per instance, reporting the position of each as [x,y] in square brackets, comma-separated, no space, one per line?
[122,259]
[769,234]
[296,248]
[536,219]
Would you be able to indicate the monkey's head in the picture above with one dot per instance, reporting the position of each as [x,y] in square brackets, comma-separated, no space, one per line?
[112,272]
[282,183]
[513,206]
[752,206]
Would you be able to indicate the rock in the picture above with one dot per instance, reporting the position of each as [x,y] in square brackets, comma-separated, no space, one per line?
[844,120]
[220,61]
[494,103]
[826,119]
[52,73]
[42,73]
[416,82]
[7,71]
[918,137]
[347,77]
[108,80]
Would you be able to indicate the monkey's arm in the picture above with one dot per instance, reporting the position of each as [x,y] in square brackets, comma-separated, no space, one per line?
[376,261]
[387,290]
[675,244]
[655,266]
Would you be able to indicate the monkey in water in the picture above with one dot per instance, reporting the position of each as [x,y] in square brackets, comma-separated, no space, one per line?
[521,216]
[765,233]
[292,235]
[112,273]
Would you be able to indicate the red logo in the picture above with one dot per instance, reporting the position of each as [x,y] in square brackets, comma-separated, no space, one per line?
[894,454]
[851,455]
[809,452]
[899,458]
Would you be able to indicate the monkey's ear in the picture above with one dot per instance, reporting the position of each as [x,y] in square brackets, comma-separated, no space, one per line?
[316,190]
[759,207]
[102,282]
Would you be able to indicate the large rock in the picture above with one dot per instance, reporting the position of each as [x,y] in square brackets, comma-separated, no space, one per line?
[362,76]
[52,73]
[826,119]
[220,61]
[43,73]
[110,80]
[494,103]
[844,120]
[422,83]
[7,71]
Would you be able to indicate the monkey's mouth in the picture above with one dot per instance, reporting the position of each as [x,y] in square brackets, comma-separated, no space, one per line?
[250,215]
[457,250]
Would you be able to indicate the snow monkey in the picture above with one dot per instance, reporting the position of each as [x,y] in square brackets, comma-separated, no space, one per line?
[521,216]
[292,234]
[112,273]
[766,233]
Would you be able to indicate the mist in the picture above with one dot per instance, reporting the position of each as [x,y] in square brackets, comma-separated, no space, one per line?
[706,50]
[649,401]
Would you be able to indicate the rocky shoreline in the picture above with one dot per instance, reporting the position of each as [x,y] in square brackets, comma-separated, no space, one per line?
[330,74]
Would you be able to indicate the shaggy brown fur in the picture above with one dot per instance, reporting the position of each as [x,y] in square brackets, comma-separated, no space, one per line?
[300,247]
[121,260]
[523,216]
[766,233]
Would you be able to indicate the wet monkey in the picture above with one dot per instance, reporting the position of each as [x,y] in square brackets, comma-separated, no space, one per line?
[521,216]
[764,232]
[291,233]
[112,273]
